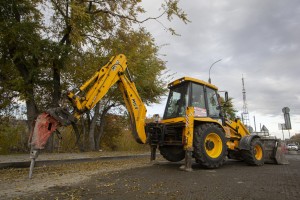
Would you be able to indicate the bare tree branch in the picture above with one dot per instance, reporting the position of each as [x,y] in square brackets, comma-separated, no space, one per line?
[60,10]
[124,16]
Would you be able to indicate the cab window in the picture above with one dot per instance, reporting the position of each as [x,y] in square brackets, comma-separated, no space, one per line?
[212,102]
[197,96]
[177,101]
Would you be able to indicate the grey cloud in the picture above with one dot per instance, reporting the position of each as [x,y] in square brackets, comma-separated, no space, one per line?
[260,39]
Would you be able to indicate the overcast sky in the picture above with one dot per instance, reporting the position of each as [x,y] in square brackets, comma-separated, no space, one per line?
[259,39]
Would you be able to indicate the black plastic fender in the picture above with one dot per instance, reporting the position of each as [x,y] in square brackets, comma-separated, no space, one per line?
[245,142]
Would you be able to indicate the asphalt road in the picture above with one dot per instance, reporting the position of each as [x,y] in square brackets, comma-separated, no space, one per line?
[235,180]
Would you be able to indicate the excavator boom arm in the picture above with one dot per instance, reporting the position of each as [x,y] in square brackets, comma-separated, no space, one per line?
[135,106]
[100,83]
[98,86]
[93,91]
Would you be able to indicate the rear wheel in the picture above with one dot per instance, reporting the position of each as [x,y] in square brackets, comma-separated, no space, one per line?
[255,155]
[172,153]
[210,148]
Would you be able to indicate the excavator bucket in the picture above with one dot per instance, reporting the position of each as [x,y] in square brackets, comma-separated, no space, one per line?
[274,151]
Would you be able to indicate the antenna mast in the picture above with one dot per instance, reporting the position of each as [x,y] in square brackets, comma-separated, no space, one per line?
[245,114]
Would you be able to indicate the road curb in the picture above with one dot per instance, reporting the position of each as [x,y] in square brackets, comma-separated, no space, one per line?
[40,163]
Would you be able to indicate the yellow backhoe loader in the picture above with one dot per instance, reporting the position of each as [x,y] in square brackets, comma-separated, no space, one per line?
[193,125]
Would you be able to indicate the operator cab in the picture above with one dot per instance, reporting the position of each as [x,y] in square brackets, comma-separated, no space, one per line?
[189,92]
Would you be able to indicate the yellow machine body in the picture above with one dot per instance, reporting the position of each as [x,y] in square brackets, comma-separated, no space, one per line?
[193,125]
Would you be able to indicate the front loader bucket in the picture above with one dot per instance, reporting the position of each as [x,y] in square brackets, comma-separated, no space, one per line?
[274,151]
[280,156]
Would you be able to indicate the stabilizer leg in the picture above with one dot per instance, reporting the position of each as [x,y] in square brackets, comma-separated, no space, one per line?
[153,153]
[187,162]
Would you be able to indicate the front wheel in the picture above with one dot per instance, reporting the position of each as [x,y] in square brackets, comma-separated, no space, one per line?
[255,155]
[210,147]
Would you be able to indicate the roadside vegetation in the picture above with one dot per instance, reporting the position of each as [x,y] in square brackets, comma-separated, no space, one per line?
[295,139]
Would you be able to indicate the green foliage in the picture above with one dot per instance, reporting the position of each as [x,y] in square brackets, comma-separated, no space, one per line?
[68,141]
[143,62]
[19,46]
[13,136]
[228,108]
[118,137]
[295,139]
[113,130]
[30,48]
[126,142]
[171,8]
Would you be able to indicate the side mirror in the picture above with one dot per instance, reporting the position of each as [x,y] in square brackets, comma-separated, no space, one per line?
[226,96]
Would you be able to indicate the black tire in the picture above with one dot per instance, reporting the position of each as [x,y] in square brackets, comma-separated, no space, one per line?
[255,155]
[172,153]
[206,152]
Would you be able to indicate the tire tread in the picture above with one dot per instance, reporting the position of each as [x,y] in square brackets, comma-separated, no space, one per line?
[199,153]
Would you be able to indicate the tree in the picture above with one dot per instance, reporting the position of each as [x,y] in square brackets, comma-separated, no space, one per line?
[105,28]
[228,108]
[295,138]
[81,24]
[145,68]
[20,50]
[7,95]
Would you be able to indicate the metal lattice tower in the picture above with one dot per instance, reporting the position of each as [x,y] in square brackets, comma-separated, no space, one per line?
[245,114]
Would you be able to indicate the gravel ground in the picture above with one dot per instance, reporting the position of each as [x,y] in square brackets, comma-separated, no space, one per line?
[137,178]
[15,184]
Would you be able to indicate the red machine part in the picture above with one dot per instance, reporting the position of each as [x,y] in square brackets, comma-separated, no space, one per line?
[45,125]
